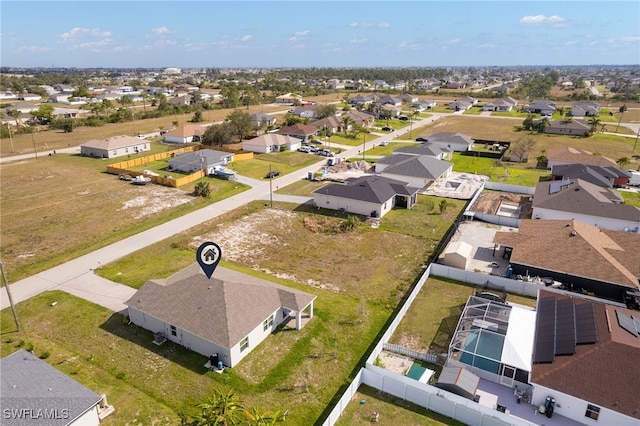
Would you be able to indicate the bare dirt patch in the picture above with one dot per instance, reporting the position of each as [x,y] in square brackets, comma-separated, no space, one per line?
[152,199]
[490,201]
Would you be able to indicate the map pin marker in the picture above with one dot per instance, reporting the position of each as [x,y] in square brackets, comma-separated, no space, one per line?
[208,256]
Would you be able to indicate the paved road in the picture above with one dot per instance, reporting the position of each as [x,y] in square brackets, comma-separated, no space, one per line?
[77,277]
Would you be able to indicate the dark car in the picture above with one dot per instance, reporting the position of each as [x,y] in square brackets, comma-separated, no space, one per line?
[272,174]
[421,139]
[387,129]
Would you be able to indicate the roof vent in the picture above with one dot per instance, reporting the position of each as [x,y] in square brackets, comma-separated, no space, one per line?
[573,233]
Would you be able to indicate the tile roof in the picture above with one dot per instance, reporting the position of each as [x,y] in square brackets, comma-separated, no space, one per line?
[28,383]
[576,248]
[580,196]
[422,149]
[598,175]
[271,139]
[298,130]
[449,137]
[223,309]
[605,373]
[372,189]
[187,130]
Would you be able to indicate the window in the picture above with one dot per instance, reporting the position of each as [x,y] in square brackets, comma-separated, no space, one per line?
[268,323]
[244,343]
[592,412]
[173,330]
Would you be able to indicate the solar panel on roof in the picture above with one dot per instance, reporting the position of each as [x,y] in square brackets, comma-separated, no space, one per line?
[627,322]
[544,346]
[586,331]
[565,324]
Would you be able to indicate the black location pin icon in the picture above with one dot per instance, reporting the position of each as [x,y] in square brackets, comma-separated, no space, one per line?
[208,256]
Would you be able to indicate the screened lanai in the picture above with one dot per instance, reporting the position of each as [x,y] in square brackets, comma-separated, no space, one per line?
[495,339]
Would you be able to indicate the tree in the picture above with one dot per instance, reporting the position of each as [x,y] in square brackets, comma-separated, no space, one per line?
[44,114]
[528,123]
[218,135]
[241,124]
[623,161]
[520,148]
[197,117]
[443,206]
[108,105]
[622,110]
[202,189]
[220,410]
[65,124]
[565,122]
[16,115]
[594,122]
[327,110]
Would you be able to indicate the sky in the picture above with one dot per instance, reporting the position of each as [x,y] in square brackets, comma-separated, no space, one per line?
[307,33]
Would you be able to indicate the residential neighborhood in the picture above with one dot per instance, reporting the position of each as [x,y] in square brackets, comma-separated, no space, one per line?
[445,243]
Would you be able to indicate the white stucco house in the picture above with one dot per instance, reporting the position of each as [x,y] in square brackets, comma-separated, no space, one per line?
[206,160]
[371,196]
[586,202]
[271,142]
[186,133]
[226,316]
[116,146]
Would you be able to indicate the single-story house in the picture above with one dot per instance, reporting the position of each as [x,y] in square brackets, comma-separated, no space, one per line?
[586,355]
[332,123]
[418,171]
[501,105]
[371,196]
[451,141]
[35,393]
[226,316]
[180,100]
[186,133]
[581,200]
[288,98]
[271,142]
[203,159]
[424,104]
[541,106]
[389,100]
[393,110]
[29,97]
[579,255]
[426,148]
[568,127]
[362,100]
[299,130]
[585,109]
[308,111]
[570,155]
[115,146]
[608,177]
[261,120]
[361,118]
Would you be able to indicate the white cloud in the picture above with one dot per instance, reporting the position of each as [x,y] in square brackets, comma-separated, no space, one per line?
[571,43]
[409,45]
[94,45]
[77,33]
[358,40]
[246,38]
[454,41]
[630,39]
[302,33]
[370,25]
[160,32]
[554,20]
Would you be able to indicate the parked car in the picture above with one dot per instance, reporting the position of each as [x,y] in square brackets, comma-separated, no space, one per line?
[384,143]
[272,174]
[312,148]
[403,118]
[421,139]
[387,129]
[304,149]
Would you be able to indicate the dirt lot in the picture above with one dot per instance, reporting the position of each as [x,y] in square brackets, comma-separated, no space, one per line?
[489,202]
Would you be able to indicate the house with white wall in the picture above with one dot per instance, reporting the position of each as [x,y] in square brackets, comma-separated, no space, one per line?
[116,146]
[370,196]
[418,171]
[271,142]
[228,315]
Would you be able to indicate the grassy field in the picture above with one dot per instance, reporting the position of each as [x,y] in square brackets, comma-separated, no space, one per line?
[355,298]
[284,162]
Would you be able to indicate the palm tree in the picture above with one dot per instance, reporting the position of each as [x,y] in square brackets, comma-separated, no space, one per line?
[256,418]
[566,121]
[220,410]
[622,110]
[594,122]
[623,161]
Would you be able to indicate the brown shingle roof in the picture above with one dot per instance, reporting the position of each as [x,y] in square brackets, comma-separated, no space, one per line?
[223,309]
[570,155]
[604,373]
[113,142]
[608,256]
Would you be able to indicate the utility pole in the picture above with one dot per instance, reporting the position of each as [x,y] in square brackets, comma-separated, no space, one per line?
[6,285]
[10,136]
[270,186]
[636,142]
[35,151]
[364,140]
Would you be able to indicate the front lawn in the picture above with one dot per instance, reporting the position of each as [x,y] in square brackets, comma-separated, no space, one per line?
[513,173]
[283,162]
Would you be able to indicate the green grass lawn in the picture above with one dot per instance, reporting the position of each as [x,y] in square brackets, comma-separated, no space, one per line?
[340,139]
[518,173]
[473,111]
[284,162]
[631,198]
[387,150]
[393,411]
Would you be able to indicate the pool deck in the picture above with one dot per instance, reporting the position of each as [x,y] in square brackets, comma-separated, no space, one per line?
[525,411]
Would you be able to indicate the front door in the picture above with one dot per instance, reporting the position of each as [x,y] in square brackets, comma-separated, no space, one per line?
[508,375]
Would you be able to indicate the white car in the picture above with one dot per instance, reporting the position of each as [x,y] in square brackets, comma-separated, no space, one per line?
[384,143]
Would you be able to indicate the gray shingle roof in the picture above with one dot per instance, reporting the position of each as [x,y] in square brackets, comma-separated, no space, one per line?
[598,175]
[372,189]
[422,166]
[190,162]
[423,149]
[223,309]
[579,196]
[28,383]
[449,137]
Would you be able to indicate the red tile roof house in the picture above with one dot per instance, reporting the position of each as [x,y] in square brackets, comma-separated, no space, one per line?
[569,155]
[228,315]
[581,200]
[116,146]
[300,131]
